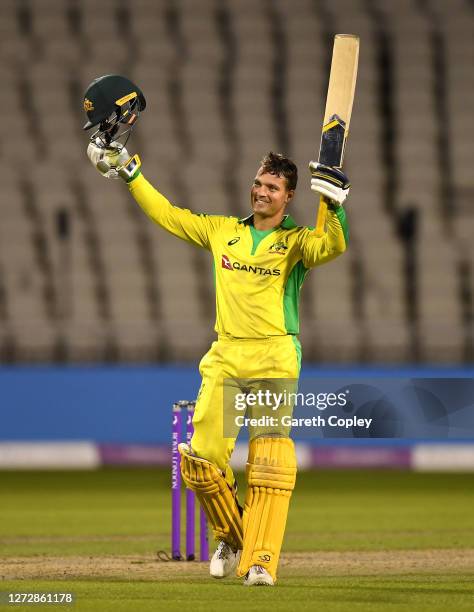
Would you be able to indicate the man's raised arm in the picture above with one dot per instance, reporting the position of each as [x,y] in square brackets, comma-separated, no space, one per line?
[189,226]
[334,186]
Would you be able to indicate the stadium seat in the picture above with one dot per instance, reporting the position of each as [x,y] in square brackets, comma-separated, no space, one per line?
[225,83]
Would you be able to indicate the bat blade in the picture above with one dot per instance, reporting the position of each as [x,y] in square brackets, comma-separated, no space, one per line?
[337,115]
[340,98]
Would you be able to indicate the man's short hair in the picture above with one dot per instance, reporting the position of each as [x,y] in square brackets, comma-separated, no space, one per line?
[278,165]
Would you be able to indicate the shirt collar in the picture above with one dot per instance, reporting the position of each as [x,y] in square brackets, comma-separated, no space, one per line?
[287,222]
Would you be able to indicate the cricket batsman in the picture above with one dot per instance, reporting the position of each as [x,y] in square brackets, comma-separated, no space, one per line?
[260,263]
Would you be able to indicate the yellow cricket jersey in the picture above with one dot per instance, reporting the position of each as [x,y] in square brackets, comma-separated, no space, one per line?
[258,274]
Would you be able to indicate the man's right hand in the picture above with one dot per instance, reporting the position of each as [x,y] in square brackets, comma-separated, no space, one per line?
[114,161]
[329,182]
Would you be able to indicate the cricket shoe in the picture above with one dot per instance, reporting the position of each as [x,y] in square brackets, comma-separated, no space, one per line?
[258,576]
[224,561]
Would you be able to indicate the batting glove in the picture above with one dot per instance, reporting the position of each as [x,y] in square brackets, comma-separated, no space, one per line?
[329,182]
[114,161]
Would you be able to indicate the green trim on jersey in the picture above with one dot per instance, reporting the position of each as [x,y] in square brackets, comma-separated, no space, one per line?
[341,215]
[257,296]
[297,344]
[258,236]
[133,177]
[291,298]
[287,223]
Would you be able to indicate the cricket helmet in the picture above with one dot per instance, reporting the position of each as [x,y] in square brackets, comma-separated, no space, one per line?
[109,101]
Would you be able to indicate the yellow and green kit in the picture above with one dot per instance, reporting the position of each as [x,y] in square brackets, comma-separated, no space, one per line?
[258,279]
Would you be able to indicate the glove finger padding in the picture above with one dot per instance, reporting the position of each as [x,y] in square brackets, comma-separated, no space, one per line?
[335,194]
[329,182]
[107,161]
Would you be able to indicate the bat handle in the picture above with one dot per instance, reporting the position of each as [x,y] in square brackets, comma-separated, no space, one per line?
[321,219]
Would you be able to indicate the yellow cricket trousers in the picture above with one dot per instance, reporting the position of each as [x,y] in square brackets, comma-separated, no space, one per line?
[228,358]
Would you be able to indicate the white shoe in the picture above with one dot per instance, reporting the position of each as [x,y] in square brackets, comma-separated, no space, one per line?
[224,561]
[258,576]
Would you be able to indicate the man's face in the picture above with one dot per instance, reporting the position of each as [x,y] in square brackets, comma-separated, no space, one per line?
[269,194]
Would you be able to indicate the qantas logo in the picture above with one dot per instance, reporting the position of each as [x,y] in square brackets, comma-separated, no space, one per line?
[227,264]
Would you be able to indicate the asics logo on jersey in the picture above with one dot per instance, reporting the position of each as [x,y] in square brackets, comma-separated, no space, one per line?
[235,265]
[233,241]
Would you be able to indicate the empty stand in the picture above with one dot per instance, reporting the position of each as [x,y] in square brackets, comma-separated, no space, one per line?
[85,276]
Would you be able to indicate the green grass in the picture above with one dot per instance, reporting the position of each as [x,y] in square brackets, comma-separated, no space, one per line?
[370,510]
[127,512]
[398,593]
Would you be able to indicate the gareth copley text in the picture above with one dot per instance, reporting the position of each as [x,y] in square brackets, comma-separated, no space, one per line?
[315,421]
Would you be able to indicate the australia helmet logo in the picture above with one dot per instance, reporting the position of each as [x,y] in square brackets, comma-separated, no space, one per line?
[88,106]
[279,247]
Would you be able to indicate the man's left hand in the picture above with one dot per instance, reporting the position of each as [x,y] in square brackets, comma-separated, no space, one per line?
[329,182]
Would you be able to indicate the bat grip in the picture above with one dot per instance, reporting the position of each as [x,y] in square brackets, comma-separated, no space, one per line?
[321,219]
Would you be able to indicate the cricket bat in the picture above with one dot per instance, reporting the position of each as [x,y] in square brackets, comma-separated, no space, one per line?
[337,116]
